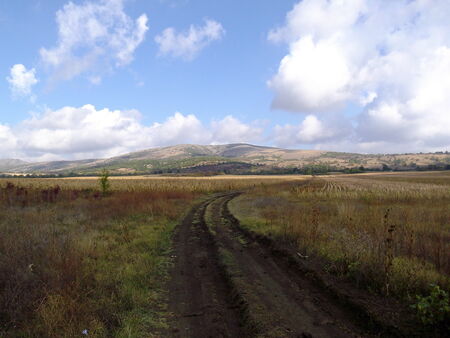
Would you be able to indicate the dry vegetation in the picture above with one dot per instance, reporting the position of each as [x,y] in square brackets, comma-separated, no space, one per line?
[72,259]
[387,233]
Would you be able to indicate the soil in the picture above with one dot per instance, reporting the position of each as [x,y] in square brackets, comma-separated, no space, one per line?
[227,282]
[199,294]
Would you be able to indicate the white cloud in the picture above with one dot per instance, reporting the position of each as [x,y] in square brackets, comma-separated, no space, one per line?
[188,44]
[313,77]
[87,132]
[311,131]
[21,80]
[392,58]
[179,129]
[230,129]
[8,141]
[93,34]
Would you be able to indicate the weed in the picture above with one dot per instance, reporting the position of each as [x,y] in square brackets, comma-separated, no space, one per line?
[388,250]
[434,308]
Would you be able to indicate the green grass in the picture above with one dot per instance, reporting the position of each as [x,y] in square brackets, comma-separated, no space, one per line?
[127,266]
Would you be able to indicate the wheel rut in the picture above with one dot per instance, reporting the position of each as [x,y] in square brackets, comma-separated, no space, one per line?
[198,292]
[224,284]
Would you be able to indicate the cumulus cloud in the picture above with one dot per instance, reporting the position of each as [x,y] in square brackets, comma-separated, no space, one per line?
[188,44]
[21,80]
[313,77]
[230,129]
[92,34]
[8,141]
[88,132]
[311,130]
[392,58]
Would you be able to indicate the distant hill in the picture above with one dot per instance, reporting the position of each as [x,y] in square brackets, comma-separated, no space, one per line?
[7,164]
[237,158]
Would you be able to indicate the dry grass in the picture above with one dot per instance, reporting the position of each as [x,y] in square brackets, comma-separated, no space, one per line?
[157,183]
[388,233]
[72,259]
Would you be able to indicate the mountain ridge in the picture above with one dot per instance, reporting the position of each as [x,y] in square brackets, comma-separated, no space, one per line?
[226,158]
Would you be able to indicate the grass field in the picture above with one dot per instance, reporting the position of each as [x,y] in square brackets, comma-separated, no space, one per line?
[388,233]
[73,259]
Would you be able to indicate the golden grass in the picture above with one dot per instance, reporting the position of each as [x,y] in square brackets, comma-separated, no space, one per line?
[194,178]
[387,235]
[156,183]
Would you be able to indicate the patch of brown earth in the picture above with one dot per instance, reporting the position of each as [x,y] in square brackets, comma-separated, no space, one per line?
[198,292]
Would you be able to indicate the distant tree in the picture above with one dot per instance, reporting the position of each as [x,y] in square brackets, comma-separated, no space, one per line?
[104,181]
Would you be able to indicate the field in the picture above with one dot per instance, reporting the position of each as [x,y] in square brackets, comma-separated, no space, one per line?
[390,233]
[73,258]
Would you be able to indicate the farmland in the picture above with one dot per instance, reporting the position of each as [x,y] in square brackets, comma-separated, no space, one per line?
[171,256]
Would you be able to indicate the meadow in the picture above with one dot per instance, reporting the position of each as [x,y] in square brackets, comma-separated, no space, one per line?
[388,233]
[75,259]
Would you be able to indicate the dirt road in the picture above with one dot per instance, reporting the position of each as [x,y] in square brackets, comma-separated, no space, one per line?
[224,284]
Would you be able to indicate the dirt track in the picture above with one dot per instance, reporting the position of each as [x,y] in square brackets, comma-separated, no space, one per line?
[224,284]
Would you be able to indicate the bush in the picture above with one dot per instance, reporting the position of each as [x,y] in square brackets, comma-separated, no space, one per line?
[435,308]
[104,181]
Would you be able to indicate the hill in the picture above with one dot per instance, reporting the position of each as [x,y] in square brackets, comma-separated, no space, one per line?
[237,158]
[7,164]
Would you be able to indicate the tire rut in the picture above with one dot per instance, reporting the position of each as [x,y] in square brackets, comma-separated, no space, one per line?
[280,302]
[224,284]
[198,292]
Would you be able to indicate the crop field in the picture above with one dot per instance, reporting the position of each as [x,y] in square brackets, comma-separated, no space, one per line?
[173,256]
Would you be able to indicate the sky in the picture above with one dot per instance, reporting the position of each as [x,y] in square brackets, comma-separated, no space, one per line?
[98,78]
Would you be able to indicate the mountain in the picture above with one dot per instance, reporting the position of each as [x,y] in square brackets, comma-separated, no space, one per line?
[230,158]
[9,163]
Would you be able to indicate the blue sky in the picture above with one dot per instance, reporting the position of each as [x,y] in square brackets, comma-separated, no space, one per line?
[112,76]
[233,72]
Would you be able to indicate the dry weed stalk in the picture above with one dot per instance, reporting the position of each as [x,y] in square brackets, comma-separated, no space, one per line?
[388,250]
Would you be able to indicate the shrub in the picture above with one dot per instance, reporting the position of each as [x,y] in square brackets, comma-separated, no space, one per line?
[104,181]
[434,308]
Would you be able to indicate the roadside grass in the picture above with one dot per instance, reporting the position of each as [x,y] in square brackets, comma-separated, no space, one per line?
[72,260]
[390,237]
